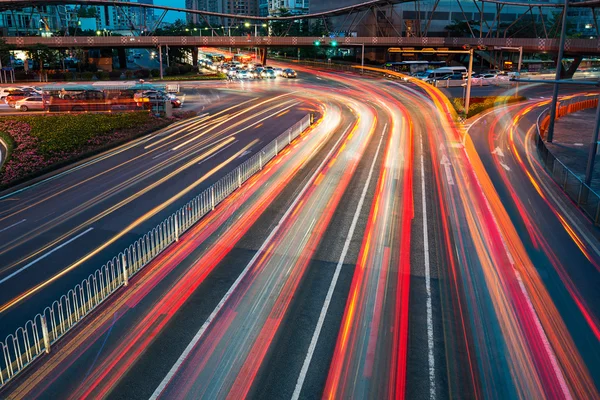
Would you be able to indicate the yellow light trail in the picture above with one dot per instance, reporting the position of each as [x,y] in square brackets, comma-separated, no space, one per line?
[131,226]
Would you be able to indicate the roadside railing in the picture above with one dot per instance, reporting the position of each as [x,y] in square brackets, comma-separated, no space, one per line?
[38,334]
[584,196]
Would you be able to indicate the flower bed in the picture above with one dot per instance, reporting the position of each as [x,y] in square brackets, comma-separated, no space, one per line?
[45,142]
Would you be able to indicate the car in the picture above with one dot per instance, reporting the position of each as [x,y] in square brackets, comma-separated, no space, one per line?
[175,102]
[130,59]
[15,96]
[18,62]
[243,74]
[288,73]
[258,71]
[488,76]
[6,91]
[149,97]
[30,103]
[32,89]
[277,71]
[453,77]
[137,55]
[268,74]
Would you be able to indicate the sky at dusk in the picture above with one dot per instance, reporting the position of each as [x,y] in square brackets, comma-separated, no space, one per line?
[171,16]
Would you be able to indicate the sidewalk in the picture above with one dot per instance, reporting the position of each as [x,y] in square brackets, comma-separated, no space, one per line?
[571,145]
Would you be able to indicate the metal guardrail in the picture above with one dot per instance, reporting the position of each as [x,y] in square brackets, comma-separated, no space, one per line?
[584,196]
[38,334]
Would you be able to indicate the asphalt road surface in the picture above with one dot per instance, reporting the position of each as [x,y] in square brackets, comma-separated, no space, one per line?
[385,253]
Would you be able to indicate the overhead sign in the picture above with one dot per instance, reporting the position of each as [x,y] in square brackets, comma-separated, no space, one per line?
[442,51]
[394,50]
[428,50]
[408,50]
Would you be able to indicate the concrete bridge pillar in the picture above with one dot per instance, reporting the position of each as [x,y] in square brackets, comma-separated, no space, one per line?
[195,56]
[568,73]
[121,53]
[262,53]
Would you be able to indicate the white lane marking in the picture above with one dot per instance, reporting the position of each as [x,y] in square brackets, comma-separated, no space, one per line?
[161,154]
[44,256]
[446,163]
[15,224]
[336,274]
[217,152]
[430,357]
[506,167]
[216,311]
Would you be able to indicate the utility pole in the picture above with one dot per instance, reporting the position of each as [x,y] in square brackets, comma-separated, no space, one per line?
[589,171]
[561,49]
[469,73]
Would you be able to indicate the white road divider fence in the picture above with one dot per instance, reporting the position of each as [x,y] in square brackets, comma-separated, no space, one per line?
[38,335]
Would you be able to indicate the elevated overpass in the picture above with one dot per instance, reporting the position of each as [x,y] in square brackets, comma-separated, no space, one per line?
[572,46]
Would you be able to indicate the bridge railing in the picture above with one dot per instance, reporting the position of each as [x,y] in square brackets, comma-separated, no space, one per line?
[38,334]
[582,195]
[587,46]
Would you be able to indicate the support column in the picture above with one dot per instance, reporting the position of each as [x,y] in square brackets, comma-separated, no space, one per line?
[121,53]
[160,63]
[561,49]
[195,56]
[568,74]
[263,55]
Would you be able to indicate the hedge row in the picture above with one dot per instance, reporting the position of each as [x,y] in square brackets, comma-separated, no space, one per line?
[480,104]
[45,142]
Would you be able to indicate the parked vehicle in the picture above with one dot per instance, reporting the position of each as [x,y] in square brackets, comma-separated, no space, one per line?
[6,91]
[16,95]
[288,73]
[35,103]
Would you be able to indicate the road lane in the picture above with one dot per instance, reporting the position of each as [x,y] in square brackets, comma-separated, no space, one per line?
[441,292]
[558,239]
[112,191]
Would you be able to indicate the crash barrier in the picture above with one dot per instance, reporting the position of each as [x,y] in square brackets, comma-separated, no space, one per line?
[38,335]
[581,194]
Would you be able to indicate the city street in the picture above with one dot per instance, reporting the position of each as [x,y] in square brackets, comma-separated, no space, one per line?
[387,252]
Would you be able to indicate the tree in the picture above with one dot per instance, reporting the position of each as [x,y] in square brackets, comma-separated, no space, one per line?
[5,52]
[461,28]
[42,54]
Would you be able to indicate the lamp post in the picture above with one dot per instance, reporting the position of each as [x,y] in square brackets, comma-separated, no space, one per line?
[467,50]
[248,25]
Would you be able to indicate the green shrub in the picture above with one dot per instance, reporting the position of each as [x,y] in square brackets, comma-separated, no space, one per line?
[102,75]
[185,68]
[155,73]
[64,133]
[174,71]
[128,74]
[480,104]
[87,76]
[142,73]
[114,74]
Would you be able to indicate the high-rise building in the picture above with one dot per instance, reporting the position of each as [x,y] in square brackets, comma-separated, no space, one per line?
[204,5]
[28,21]
[292,6]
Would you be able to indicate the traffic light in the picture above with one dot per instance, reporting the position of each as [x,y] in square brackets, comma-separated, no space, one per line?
[333,43]
[317,43]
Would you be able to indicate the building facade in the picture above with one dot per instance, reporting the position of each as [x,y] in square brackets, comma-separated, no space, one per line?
[34,21]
